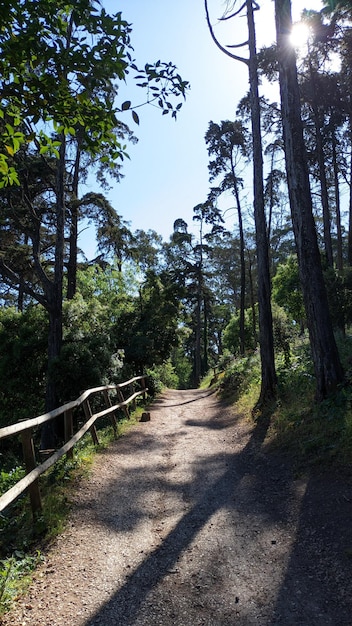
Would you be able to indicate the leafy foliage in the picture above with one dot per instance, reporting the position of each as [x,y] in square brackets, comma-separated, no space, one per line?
[287,291]
[161,376]
[231,336]
[60,63]
[23,343]
[14,574]
[8,479]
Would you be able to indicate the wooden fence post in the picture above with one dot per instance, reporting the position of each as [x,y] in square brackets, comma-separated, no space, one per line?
[144,387]
[112,415]
[134,403]
[30,463]
[68,424]
[122,399]
[92,430]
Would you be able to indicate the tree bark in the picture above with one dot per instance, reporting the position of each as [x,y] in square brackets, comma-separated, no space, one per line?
[73,239]
[54,296]
[198,335]
[242,262]
[205,364]
[327,366]
[322,172]
[339,255]
[349,252]
[266,339]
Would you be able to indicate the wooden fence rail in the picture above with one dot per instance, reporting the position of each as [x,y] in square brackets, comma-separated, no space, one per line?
[25,428]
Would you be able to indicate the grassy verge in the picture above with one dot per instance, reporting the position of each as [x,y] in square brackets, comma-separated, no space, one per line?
[24,542]
[313,435]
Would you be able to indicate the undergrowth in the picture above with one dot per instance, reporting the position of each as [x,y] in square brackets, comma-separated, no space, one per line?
[314,435]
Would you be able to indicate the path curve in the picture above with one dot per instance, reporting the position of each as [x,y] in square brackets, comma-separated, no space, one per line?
[186,520]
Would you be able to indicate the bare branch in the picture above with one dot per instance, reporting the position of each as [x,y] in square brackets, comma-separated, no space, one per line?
[238,45]
[255,5]
[229,17]
[233,56]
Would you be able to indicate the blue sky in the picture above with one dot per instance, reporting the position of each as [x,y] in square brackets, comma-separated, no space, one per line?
[167,174]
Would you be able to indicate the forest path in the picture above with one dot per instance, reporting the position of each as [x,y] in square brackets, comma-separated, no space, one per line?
[187,521]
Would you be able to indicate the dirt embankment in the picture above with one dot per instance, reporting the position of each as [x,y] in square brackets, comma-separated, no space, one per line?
[187,521]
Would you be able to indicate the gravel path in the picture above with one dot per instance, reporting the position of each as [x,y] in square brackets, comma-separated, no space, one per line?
[187,521]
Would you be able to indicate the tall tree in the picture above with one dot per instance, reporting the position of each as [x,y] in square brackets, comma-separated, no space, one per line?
[266,338]
[328,370]
[188,261]
[227,142]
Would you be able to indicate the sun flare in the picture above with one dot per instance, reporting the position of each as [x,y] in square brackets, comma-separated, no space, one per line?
[299,35]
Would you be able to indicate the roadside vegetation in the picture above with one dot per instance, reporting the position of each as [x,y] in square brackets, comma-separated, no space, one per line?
[314,436]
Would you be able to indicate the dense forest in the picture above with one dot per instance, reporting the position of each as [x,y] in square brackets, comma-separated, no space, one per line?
[180,308]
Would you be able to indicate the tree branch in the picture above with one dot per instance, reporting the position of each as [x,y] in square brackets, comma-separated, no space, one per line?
[228,17]
[238,45]
[14,279]
[218,44]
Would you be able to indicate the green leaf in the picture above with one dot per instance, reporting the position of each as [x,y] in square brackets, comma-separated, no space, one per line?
[13,177]
[135,117]
[126,105]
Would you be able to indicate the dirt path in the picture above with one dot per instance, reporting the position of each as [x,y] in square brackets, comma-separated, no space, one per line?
[186,521]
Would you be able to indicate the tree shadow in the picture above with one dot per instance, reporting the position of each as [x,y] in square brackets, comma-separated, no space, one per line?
[202,394]
[248,485]
[317,587]
[216,486]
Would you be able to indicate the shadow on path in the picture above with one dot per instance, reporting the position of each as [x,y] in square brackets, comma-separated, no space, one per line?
[161,401]
[218,485]
[317,587]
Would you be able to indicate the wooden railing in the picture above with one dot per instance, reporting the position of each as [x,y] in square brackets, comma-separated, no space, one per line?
[25,428]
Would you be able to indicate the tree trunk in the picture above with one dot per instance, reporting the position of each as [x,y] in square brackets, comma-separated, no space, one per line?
[339,255]
[72,256]
[197,350]
[205,364]
[328,369]
[350,204]
[73,246]
[266,339]
[48,433]
[322,175]
[251,291]
[243,266]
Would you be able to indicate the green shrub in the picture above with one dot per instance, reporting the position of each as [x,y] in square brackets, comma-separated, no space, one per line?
[231,336]
[23,362]
[161,376]
[15,574]
[8,479]
[240,375]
